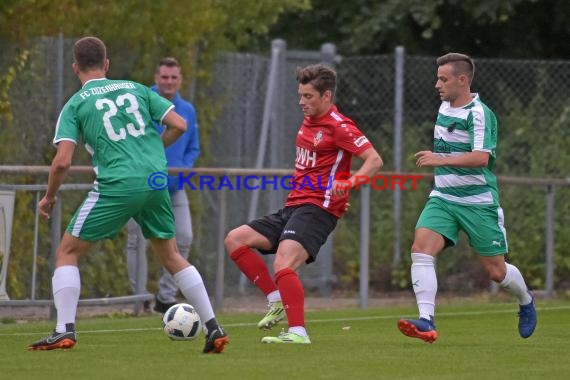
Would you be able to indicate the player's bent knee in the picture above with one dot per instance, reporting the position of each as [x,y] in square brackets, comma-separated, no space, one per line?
[497,274]
[495,267]
[229,240]
[426,248]
[292,260]
[234,239]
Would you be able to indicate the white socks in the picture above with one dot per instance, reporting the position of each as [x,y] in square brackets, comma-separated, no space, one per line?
[299,330]
[66,286]
[274,296]
[515,285]
[191,285]
[424,282]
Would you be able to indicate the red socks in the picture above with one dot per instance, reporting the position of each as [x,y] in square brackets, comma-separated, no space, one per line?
[287,280]
[254,268]
[292,296]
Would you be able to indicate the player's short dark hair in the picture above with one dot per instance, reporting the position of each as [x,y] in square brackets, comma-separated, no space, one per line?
[89,54]
[322,78]
[168,62]
[462,64]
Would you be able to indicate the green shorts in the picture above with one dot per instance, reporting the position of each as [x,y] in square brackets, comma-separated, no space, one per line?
[482,224]
[103,216]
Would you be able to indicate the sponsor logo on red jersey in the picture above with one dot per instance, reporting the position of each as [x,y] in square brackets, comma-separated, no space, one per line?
[360,141]
[305,158]
[318,138]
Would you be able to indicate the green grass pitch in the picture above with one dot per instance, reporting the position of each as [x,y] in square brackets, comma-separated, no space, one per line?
[475,342]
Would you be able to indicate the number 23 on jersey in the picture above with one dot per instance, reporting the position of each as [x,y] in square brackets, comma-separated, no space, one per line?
[111,108]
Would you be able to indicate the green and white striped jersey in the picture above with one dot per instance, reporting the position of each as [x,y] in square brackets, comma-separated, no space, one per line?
[459,131]
[115,120]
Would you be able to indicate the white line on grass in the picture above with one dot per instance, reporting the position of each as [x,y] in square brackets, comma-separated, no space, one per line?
[347,319]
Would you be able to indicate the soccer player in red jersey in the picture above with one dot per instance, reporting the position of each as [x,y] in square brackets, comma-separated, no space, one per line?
[325,145]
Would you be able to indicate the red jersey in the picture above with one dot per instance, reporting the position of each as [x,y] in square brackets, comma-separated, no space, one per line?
[324,149]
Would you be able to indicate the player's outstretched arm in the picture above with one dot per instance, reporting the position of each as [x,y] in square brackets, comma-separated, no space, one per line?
[175,127]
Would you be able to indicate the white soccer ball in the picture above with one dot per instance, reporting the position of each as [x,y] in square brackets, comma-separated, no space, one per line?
[181,322]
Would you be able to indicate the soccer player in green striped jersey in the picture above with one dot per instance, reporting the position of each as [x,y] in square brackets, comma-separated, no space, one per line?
[114,119]
[465,198]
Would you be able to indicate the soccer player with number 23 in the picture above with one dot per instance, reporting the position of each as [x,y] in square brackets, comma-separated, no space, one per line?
[114,119]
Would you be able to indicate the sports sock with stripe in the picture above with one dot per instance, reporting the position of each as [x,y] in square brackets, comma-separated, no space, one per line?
[424,282]
[254,269]
[292,296]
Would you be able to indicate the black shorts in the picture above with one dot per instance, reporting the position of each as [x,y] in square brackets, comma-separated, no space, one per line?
[307,224]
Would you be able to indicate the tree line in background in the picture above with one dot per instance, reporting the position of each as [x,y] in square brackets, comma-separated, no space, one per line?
[196,31]
[522,29]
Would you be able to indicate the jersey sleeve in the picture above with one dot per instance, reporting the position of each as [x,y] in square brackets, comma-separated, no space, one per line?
[158,105]
[67,127]
[483,130]
[349,138]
